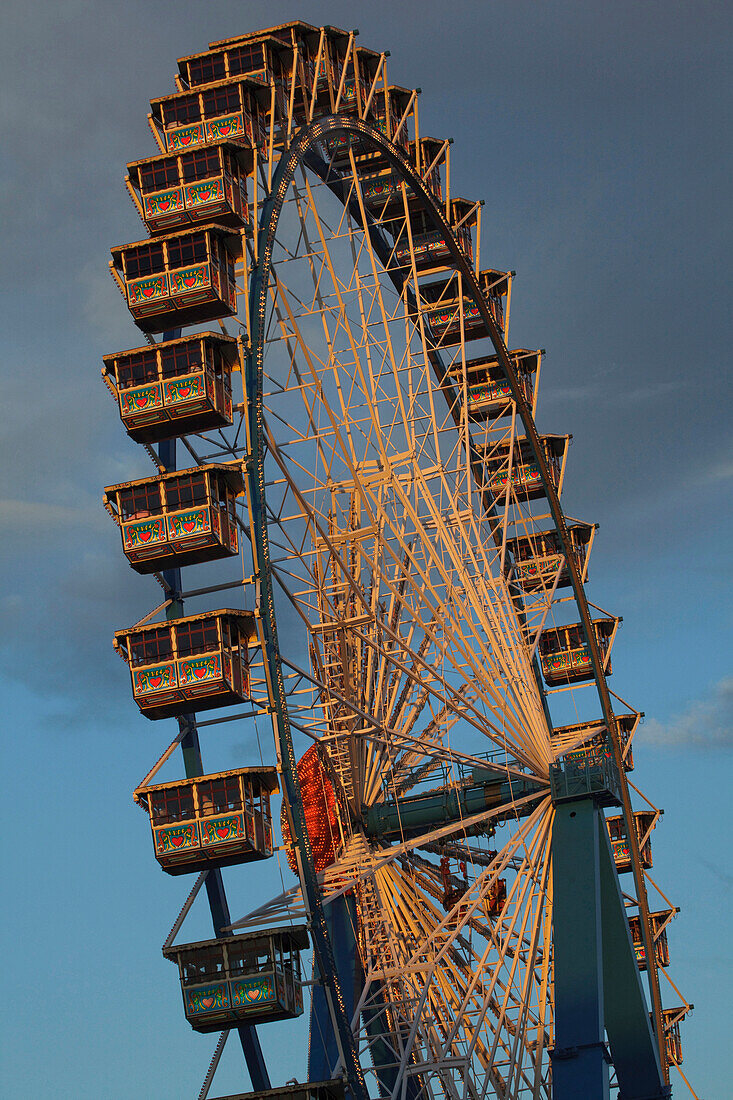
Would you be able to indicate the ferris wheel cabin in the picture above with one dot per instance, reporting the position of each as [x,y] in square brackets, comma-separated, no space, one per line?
[185,278]
[327,60]
[264,57]
[253,978]
[671,1020]
[659,922]
[229,110]
[215,820]
[526,480]
[381,187]
[197,662]
[174,387]
[594,738]
[180,518]
[488,391]
[538,557]
[181,189]
[320,67]
[428,245]
[450,313]
[565,655]
[391,110]
[644,822]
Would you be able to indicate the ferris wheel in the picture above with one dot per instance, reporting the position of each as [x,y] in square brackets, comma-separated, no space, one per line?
[405,603]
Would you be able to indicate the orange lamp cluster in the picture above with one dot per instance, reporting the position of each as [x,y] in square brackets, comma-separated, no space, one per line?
[319,805]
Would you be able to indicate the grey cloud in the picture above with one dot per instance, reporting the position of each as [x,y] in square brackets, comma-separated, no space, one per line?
[707,722]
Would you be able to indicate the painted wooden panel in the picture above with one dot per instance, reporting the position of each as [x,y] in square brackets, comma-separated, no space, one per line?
[207,999]
[223,830]
[525,476]
[164,208]
[150,681]
[143,534]
[251,993]
[170,839]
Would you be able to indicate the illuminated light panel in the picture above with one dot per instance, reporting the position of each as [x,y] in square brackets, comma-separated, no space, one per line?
[319,805]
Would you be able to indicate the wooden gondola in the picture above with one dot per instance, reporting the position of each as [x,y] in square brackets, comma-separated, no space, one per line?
[488,394]
[263,57]
[593,734]
[174,387]
[526,481]
[381,186]
[565,655]
[450,312]
[215,820]
[184,278]
[659,922]
[644,822]
[671,1020]
[190,187]
[536,558]
[179,518]
[391,111]
[194,663]
[427,244]
[253,978]
[236,109]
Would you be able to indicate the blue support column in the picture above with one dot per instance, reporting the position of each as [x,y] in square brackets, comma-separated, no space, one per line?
[631,1039]
[193,766]
[579,1060]
[323,1052]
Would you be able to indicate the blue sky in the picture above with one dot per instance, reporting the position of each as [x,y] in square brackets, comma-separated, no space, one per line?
[596,134]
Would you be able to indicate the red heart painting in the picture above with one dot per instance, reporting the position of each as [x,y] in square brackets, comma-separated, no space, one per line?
[205,195]
[185,138]
[155,681]
[148,290]
[189,280]
[207,1002]
[199,673]
[141,402]
[184,391]
[222,832]
[226,128]
[144,535]
[176,841]
[189,525]
[164,205]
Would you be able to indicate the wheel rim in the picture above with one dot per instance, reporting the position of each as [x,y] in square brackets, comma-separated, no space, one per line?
[372,494]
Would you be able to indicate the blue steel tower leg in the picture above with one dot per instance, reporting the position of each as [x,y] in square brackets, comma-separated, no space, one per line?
[579,1065]
[598,987]
[628,1025]
[323,1052]
[193,765]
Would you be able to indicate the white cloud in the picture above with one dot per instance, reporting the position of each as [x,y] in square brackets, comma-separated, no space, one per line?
[719,471]
[707,721]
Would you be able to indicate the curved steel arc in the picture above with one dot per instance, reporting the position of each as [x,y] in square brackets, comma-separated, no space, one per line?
[296,154]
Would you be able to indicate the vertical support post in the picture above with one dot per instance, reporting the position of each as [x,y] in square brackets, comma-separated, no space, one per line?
[193,765]
[323,1051]
[579,1060]
[630,1036]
